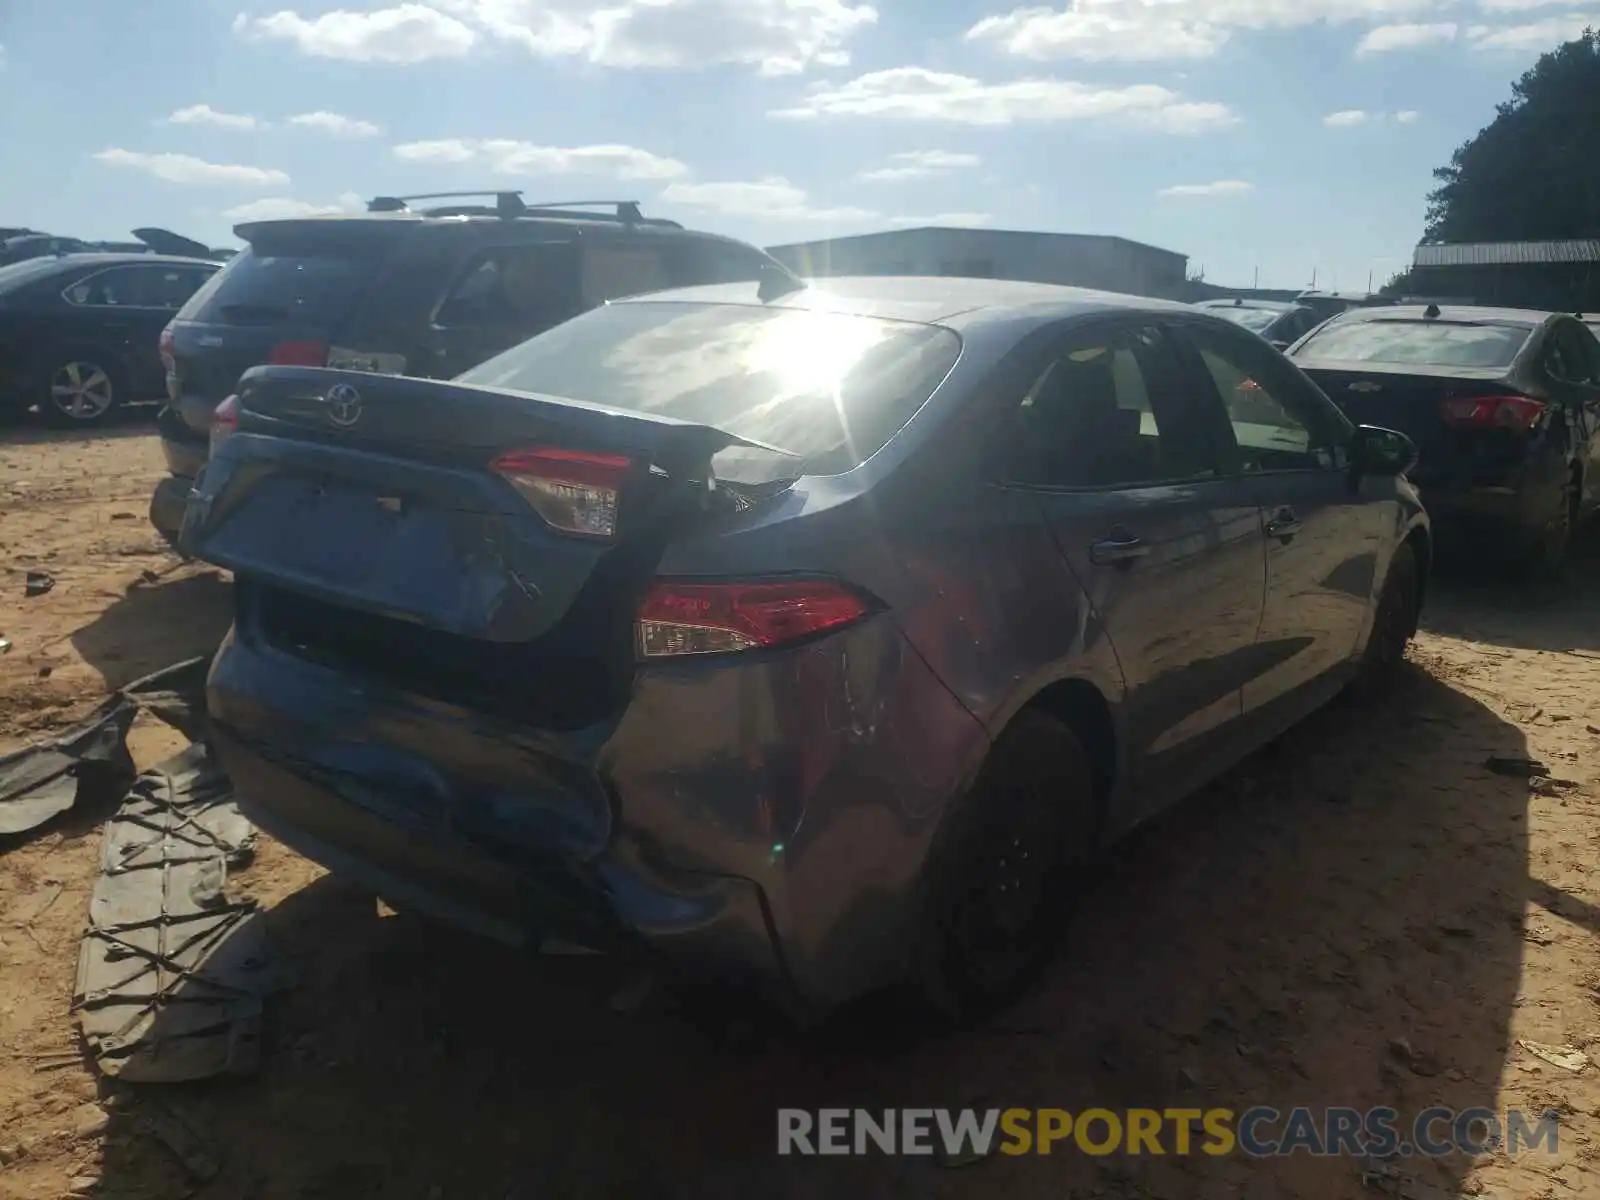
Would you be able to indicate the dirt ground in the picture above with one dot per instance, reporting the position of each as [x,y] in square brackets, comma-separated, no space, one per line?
[1361,915]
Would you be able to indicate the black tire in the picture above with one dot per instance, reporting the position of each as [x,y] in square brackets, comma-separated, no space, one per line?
[1394,622]
[1004,872]
[80,389]
[1544,555]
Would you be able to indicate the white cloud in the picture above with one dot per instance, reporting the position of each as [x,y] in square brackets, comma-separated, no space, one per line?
[406,33]
[339,126]
[1347,117]
[1408,116]
[185,168]
[970,220]
[918,94]
[773,198]
[1545,34]
[1386,38]
[779,37]
[1221,187]
[506,157]
[204,114]
[920,164]
[1098,31]
[1143,30]
[278,208]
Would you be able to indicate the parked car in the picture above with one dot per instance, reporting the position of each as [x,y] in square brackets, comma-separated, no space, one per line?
[426,293]
[1503,404]
[78,333]
[1330,304]
[813,639]
[1274,321]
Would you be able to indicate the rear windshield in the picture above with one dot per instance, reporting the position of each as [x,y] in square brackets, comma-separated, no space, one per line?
[830,388]
[1253,319]
[273,289]
[1425,343]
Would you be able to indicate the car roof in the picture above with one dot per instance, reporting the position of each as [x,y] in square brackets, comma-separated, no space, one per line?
[1525,318]
[478,222]
[117,259]
[927,299]
[1269,305]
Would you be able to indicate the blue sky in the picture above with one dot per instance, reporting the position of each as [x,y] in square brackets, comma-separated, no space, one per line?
[1273,135]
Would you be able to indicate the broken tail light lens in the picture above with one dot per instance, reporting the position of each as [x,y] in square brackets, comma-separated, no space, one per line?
[678,619]
[1492,412]
[575,491]
[224,422]
[299,354]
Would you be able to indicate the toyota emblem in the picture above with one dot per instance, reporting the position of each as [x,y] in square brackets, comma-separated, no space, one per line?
[344,405]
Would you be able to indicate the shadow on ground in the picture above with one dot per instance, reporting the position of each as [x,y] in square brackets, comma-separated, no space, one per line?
[156,623]
[1337,922]
[26,429]
[1471,602]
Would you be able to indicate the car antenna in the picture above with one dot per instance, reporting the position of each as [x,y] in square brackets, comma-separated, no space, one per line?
[1431,311]
[777,283]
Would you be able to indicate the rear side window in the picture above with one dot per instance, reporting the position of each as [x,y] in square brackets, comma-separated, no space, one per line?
[270,285]
[1419,343]
[830,388]
[612,270]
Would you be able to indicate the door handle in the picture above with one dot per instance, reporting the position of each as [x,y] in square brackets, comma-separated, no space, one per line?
[1284,524]
[1110,551]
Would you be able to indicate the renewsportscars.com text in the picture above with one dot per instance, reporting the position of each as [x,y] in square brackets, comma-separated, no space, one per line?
[1258,1132]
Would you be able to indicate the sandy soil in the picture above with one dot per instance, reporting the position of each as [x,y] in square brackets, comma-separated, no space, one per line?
[1363,914]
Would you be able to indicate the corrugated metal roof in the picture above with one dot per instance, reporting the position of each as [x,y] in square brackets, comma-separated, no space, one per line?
[1495,254]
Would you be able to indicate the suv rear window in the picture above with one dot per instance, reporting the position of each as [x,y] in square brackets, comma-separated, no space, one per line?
[830,388]
[1424,343]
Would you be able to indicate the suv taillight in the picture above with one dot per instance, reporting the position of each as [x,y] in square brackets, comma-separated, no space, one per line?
[224,422]
[681,618]
[1492,412]
[299,354]
[574,490]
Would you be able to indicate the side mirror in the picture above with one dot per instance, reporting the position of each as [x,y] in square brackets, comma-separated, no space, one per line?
[1381,452]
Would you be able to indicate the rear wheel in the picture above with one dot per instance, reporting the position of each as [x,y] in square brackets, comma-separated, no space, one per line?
[1006,868]
[80,390]
[1393,624]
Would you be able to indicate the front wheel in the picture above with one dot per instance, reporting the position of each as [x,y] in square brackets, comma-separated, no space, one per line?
[81,390]
[1005,869]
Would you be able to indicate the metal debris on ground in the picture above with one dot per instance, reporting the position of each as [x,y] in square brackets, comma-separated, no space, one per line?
[91,758]
[173,971]
[1568,1058]
[38,583]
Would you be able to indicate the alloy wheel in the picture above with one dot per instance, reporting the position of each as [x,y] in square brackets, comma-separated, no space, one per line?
[82,391]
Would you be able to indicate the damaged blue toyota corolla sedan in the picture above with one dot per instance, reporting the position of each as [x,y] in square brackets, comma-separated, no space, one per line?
[810,636]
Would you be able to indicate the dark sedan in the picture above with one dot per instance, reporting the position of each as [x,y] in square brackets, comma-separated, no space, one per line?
[1503,404]
[79,334]
[1277,322]
[816,639]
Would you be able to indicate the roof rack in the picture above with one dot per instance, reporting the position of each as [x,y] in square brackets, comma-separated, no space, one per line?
[509,204]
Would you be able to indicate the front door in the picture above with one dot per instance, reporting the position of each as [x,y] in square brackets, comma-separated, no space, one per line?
[1322,529]
[1130,478]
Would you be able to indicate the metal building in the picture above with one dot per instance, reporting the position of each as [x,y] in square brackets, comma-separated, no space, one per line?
[1556,276]
[1111,264]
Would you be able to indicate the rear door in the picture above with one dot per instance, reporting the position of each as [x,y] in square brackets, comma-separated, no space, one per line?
[283,299]
[1130,477]
[1289,447]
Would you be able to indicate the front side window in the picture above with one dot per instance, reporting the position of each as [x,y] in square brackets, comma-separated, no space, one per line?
[1099,415]
[1275,425]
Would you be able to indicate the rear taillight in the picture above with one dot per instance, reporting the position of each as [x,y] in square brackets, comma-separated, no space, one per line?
[224,422]
[719,618]
[574,490]
[168,362]
[1492,412]
[299,354]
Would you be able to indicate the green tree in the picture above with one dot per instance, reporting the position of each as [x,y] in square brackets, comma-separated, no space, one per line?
[1399,284]
[1533,173]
